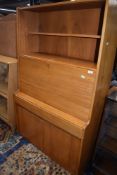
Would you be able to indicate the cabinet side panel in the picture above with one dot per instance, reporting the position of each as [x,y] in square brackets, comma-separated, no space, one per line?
[12,87]
[26,22]
[8,35]
[104,71]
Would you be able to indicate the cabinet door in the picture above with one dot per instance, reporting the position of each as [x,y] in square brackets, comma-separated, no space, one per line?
[56,143]
[66,87]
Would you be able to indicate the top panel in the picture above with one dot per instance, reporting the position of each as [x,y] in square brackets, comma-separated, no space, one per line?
[66,5]
[7,60]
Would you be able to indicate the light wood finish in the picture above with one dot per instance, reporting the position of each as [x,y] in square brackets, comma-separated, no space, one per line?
[107,53]
[66,53]
[67,145]
[62,60]
[51,82]
[7,89]
[8,35]
[75,18]
[7,60]
[84,21]
[58,118]
[63,46]
[64,34]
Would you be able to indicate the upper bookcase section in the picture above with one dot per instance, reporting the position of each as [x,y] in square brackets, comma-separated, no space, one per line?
[69,29]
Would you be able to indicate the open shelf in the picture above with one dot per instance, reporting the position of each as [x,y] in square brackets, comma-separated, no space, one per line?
[66,35]
[61,60]
[83,48]
[4,70]
[3,107]
[70,30]
[4,89]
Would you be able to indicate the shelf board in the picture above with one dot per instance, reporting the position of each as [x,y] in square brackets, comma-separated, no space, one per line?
[62,60]
[7,60]
[4,89]
[65,5]
[66,35]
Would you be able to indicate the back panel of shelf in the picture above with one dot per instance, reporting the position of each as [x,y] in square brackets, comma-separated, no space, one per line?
[71,47]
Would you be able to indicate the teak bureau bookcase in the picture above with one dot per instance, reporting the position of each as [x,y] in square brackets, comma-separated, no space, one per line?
[66,53]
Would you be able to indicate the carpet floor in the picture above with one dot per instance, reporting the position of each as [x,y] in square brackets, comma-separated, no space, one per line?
[20,157]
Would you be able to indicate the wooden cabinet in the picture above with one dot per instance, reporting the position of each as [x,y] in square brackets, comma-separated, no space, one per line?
[66,53]
[8,85]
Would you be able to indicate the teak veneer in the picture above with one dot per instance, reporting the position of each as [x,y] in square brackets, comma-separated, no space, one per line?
[66,52]
[8,35]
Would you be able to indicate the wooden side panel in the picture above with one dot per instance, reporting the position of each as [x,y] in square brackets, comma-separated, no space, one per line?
[12,87]
[59,145]
[23,27]
[104,72]
[8,85]
[8,35]
[58,85]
